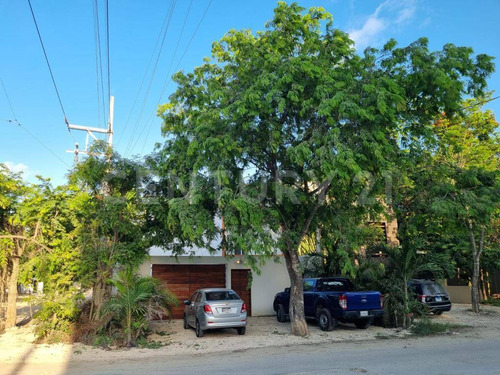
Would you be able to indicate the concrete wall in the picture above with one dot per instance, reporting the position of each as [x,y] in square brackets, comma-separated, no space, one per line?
[272,279]
[459,294]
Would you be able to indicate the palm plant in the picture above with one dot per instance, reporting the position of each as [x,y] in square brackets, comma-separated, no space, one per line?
[137,301]
[404,264]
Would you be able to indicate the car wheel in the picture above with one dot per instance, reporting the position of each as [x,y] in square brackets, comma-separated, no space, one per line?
[363,323]
[199,331]
[241,330]
[280,313]
[438,312]
[325,320]
[186,325]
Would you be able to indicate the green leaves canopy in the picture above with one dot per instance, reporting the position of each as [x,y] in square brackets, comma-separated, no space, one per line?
[295,106]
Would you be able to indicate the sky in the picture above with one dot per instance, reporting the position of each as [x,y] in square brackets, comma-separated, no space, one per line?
[140,71]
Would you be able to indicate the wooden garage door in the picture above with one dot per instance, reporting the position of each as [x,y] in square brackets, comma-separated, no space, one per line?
[184,280]
[239,283]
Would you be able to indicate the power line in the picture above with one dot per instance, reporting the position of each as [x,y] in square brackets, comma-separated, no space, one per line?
[171,12]
[107,47]
[169,78]
[8,100]
[47,60]
[39,141]
[145,73]
[99,70]
[15,121]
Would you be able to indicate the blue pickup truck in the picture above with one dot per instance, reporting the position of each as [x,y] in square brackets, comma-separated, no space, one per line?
[331,300]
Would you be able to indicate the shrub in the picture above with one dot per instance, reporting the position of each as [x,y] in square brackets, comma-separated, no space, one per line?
[138,300]
[57,316]
[492,301]
[425,327]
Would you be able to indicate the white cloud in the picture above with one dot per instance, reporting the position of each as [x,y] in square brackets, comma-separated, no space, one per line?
[364,36]
[18,168]
[388,15]
[405,15]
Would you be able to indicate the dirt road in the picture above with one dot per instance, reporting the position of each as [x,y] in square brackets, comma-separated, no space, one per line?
[19,355]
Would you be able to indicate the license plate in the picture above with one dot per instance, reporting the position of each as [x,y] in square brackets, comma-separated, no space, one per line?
[363,313]
[226,309]
[438,299]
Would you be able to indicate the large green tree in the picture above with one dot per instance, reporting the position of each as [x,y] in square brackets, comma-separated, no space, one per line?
[468,192]
[284,130]
[449,205]
[11,187]
[110,214]
[25,230]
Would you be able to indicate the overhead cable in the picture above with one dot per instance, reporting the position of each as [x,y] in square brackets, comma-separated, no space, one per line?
[107,47]
[148,89]
[169,79]
[15,121]
[145,73]
[99,70]
[48,64]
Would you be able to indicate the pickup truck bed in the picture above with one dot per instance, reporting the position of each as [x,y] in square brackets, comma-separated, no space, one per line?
[331,300]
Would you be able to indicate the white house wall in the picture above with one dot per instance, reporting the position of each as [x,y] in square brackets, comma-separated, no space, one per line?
[272,279]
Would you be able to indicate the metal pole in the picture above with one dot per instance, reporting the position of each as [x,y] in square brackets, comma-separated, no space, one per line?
[110,123]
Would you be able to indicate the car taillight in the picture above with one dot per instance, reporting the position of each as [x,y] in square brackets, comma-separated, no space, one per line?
[243,307]
[421,297]
[208,309]
[343,301]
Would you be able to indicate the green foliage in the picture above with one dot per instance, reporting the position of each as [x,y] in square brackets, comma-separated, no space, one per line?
[425,327]
[148,344]
[289,130]
[102,341]
[110,213]
[492,301]
[138,300]
[340,243]
[391,276]
[288,101]
[449,206]
[57,316]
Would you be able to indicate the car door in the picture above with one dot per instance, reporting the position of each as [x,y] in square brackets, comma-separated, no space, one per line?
[197,307]
[190,309]
[309,297]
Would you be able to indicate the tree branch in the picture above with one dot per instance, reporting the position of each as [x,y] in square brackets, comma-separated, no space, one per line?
[12,237]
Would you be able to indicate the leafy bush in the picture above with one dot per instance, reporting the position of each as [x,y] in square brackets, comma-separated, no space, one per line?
[492,301]
[102,341]
[56,317]
[391,276]
[138,300]
[425,327]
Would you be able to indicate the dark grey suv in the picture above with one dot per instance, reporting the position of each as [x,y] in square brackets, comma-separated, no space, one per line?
[432,294]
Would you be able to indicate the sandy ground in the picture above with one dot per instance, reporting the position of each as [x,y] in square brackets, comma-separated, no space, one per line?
[16,344]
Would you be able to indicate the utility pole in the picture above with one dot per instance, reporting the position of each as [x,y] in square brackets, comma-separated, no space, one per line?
[91,130]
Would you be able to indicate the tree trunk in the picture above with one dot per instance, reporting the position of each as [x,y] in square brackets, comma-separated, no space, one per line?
[297,315]
[475,285]
[4,279]
[99,294]
[406,307]
[476,255]
[129,328]
[11,315]
[484,285]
